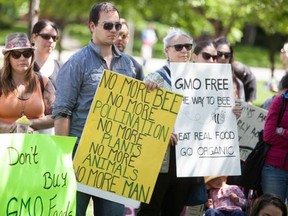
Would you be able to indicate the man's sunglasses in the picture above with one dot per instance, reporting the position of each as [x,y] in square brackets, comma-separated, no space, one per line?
[109,26]
[226,55]
[17,54]
[179,47]
[48,37]
[207,56]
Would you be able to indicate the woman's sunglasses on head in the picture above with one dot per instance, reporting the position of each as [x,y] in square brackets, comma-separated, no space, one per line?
[109,26]
[227,55]
[48,37]
[207,56]
[179,47]
[17,54]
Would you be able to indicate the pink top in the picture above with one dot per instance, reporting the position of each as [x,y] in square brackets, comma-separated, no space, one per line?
[11,107]
[277,155]
[221,197]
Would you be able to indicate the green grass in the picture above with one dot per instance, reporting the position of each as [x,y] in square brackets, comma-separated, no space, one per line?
[262,93]
[255,56]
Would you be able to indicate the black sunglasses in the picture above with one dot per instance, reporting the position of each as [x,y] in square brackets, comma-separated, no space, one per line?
[17,54]
[226,55]
[109,26]
[179,47]
[207,56]
[48,37]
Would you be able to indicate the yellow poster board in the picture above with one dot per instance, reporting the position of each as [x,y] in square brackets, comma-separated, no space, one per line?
[125,138]
[37,176]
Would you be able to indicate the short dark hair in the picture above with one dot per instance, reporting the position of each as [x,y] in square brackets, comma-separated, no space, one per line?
[97,8]
[223,40]
[201,45]
[41,24]
[268,199]
[283,84]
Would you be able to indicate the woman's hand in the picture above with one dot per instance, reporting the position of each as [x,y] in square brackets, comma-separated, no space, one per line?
[30,130]
[209,203]
[173,139]
[237,110]
[234,197]
[151,85]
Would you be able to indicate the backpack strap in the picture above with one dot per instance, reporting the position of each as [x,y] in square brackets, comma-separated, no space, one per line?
[283,108]
[164,76]
[167,70]
[41,82]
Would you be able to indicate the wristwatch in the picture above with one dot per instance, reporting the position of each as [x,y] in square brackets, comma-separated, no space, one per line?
[280,131]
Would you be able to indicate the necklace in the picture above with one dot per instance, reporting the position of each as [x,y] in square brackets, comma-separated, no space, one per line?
[22,101]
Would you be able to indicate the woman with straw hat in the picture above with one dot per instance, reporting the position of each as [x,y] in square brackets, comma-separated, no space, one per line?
[22,91]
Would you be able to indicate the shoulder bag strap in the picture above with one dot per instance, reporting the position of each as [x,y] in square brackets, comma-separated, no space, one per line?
[167,70]
[283,107]
[164,76]
[41,82]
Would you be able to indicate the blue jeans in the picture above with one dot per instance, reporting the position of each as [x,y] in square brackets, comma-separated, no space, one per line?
[275,181]
[216,212]
[101,206]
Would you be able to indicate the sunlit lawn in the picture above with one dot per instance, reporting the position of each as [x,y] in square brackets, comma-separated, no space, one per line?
[263,93]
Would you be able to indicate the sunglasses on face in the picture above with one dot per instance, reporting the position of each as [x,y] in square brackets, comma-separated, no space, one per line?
[179,47]
[207,56]
[226,55]
[48,37]
[17,54]
[109,26]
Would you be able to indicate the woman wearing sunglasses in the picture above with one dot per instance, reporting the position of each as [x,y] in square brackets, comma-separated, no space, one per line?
[170,193]
[44,38]
[244,80]
[206,52]
[21,92]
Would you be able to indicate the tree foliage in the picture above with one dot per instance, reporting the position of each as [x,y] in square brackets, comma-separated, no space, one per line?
[197,17]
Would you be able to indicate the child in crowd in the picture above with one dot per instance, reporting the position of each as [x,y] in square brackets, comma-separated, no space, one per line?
[269,204]
[224,199]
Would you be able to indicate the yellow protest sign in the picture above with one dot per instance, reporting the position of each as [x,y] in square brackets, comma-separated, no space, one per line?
[37,176]
[125,138]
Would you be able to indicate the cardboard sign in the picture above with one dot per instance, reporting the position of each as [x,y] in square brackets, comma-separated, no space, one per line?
[125,139]
[206,125]
[251,121]
[37,176]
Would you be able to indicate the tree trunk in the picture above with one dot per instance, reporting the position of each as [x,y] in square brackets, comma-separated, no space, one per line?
[33,14]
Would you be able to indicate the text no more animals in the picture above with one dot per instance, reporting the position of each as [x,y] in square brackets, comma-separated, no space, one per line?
[125,137]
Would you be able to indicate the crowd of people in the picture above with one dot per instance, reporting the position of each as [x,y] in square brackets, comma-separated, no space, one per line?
[32,85]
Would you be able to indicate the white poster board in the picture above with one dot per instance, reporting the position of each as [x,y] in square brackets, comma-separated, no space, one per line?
[251,121]
[205,125]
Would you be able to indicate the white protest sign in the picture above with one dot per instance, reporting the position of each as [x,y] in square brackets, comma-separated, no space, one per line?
[251,121]
[206,126]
